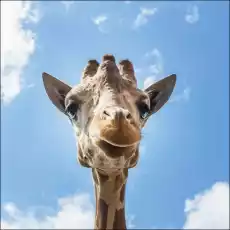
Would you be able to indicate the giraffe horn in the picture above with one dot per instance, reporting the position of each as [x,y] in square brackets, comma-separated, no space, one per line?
[127,71]
[90,69]
[108,57]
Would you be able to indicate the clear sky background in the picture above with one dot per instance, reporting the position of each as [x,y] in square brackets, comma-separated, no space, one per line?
[182,178]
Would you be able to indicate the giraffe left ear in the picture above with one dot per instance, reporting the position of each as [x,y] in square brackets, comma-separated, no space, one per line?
[160,92]
[56,90]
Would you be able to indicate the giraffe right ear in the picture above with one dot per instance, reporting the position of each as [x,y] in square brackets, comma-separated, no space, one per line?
[56,90]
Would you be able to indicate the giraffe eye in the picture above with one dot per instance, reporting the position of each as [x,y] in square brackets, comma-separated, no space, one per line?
[71,109]
[144,110]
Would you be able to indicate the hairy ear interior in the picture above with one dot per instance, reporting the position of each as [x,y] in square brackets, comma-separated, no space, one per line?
[56,90]
[160,92]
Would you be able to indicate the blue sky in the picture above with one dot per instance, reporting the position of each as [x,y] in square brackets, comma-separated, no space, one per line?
[182,176]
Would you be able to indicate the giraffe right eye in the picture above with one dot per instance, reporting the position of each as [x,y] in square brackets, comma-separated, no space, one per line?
[144,110]
[71,109]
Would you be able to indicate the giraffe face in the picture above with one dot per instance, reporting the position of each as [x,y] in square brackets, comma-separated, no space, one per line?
[108,111]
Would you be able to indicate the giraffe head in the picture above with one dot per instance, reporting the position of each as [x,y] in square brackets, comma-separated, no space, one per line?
[108,111]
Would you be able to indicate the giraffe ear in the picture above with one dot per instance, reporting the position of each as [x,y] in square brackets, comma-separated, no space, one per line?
[160,92]
[56,90]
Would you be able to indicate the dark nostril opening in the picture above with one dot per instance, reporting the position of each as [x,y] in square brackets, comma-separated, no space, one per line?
[128,116]
[117,113]
[85,158]
[106,113]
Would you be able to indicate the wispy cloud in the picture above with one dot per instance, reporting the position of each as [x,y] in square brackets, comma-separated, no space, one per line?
[67,4]
[143,17]
[156,68]
[32,85]
[156,71]
[137,70]
[99,21]
[209,209]
[153,52]
[192,15]
[184,96]
[149,81]
[130,221]
[17,45]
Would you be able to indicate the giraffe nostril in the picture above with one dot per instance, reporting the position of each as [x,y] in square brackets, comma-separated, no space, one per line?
[106,113]
[117,113]
[85,158]
[129,116]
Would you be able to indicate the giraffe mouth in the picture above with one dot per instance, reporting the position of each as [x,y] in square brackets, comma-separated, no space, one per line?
[114,150]
[118,145]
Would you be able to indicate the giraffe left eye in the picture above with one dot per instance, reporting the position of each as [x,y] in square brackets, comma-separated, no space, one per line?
[71,110]
[144,110]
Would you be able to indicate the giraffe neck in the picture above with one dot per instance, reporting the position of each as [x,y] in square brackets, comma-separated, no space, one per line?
[110,199]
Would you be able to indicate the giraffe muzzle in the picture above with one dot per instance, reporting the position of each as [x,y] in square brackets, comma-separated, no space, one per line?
[115,126]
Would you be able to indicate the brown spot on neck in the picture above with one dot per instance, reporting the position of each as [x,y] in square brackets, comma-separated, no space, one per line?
[110,199]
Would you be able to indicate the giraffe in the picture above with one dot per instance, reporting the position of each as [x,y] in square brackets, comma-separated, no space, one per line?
[107,112]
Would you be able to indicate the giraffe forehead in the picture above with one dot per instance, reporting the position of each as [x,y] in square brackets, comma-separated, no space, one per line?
[107,79]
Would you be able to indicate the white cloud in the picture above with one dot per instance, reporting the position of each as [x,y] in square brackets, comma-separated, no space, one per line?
[184,96]
[149,81]
[67,4]
[11,209]
[74,212]
[99,21]
[143,17]
[153,52]
[155,69]
[130,221]
[209,209]
[17,45]
[192,16]
[32,85]
[137,70]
